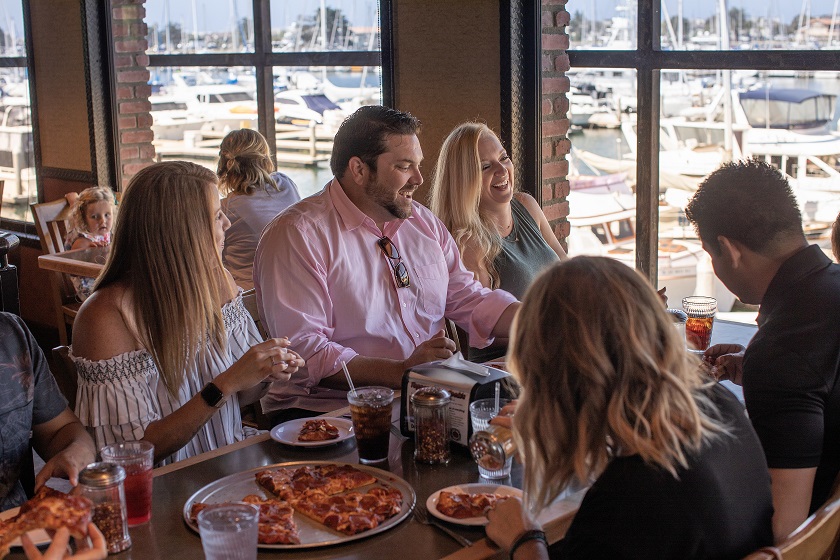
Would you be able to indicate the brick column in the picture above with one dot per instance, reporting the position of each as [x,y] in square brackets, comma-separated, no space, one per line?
[555,120]
[134,120]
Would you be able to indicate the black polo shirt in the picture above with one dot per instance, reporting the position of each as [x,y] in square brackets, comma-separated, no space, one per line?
[791,369]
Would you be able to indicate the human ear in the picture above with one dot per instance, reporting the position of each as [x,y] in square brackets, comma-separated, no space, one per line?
[730,251]
[358,170]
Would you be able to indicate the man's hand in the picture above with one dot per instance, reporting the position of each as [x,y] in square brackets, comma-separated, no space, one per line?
[67,463]
[436,348]
[727,362]
[58,549]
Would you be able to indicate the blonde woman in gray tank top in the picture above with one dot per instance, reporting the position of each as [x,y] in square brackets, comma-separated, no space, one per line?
[503,234]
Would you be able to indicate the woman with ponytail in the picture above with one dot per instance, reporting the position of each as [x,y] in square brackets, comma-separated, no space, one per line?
[255,193]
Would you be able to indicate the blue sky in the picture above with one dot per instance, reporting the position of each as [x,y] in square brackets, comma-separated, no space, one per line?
[216,15]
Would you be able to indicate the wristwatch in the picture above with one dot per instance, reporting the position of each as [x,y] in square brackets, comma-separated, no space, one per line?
[212,395]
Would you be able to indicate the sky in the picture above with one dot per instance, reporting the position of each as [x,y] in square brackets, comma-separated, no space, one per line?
[216,15]
[786,10]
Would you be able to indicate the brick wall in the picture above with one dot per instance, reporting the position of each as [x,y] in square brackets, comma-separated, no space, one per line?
[555,121]
[132,89]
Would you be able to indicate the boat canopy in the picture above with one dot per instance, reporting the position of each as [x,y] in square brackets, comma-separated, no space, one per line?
[787,108]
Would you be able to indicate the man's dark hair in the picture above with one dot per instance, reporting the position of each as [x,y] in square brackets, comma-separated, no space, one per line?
[364,133]
[747,201]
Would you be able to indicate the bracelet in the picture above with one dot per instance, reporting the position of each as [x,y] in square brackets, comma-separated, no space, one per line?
[531,535]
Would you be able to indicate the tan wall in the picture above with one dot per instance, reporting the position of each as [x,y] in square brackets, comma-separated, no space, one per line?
[60,91]
[447,68]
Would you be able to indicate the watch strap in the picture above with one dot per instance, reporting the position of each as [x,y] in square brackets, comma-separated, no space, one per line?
[530,535]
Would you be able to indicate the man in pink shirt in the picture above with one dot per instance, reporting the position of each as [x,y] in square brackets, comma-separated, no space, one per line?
[360,272]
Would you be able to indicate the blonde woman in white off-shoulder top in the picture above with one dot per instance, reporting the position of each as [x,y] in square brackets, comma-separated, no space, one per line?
[165,350]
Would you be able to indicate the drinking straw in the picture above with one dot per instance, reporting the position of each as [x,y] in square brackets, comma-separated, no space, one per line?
[498,390]
[353,387]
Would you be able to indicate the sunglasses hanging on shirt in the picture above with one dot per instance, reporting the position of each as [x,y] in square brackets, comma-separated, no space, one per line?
[400,271]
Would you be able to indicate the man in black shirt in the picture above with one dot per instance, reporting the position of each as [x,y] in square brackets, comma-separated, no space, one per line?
[749,222]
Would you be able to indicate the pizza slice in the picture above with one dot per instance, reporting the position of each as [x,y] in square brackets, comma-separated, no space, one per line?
[462,505]
[317,430]
[277,482]
[350,513]
[276,523]
[48,509]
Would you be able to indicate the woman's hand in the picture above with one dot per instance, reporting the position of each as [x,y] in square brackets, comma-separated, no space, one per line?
[507,523]
[267,361]
[58,549]
[505,416]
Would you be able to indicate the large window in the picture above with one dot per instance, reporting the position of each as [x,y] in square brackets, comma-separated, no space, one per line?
[17,160]
[292,69]
[662,94]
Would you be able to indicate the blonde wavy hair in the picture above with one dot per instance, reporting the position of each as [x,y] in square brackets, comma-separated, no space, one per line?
[835,239]
[244,163]
[90,195]
[456,194]
[603,374]
[164,251]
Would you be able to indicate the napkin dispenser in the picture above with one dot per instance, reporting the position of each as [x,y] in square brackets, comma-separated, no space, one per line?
[464,385]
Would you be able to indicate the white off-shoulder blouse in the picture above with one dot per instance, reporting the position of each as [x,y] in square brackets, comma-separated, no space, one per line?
[118,397]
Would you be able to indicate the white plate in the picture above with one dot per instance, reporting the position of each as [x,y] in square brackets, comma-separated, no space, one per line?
[288,432]
[474,488]
[38,536]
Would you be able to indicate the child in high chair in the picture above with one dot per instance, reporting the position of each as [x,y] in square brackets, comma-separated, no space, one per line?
[91,217]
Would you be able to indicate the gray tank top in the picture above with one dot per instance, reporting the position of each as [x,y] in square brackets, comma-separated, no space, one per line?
[524,255]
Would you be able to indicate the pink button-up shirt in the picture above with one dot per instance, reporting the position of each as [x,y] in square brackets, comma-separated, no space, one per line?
[322,280]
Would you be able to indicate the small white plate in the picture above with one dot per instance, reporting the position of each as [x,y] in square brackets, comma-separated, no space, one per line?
[288,432]
[474,488]
[38,536]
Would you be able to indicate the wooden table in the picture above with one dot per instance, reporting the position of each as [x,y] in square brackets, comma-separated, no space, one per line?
[79,262]
[167,536]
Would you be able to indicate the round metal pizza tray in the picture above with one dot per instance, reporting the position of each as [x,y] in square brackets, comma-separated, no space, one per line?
[312,534]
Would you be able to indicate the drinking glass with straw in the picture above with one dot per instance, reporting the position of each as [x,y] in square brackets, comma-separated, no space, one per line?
[349,380]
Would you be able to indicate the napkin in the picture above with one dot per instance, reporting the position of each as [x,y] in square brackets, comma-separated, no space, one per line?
[457,362]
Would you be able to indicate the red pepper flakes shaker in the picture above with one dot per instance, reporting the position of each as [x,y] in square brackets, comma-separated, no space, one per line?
[431,425]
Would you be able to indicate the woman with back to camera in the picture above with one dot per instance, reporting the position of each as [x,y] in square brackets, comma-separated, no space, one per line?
[610,397]
[255,193]
[502,234]
[165,349]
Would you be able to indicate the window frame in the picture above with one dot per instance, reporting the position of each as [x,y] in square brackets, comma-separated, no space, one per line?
[648,59]
[263,60]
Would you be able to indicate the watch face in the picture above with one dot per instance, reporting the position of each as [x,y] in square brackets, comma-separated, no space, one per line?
[212,395]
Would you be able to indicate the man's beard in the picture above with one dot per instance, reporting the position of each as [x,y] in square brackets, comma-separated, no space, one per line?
[388,200]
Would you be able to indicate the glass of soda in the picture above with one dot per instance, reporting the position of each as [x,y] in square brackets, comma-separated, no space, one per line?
[137,458]
[370,408]
[701,312]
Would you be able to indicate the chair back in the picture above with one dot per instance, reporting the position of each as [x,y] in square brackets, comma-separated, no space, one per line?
[815,539]
[64,371]
[51,225]
[249,300]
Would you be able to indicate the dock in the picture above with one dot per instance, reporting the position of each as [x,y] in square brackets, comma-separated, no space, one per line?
[303,146]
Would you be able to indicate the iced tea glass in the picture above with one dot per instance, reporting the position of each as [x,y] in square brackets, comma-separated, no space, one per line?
[137,458]
[701,318]
[370,408]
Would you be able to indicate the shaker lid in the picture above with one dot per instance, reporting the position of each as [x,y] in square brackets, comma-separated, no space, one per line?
[101,474]
[431,396]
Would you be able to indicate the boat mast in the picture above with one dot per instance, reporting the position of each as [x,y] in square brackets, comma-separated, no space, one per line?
[831,41]
[195,27]
[727,82]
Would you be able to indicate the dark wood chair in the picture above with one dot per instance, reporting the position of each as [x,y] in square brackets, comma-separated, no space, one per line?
[64,371]
[252,414]
[51,225]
